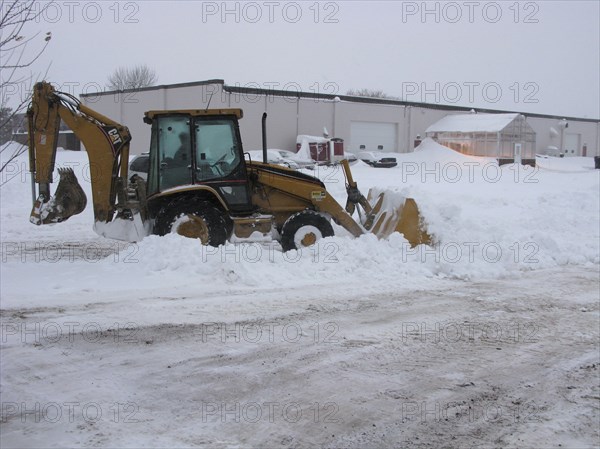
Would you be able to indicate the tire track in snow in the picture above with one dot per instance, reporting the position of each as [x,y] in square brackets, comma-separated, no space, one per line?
[391,385]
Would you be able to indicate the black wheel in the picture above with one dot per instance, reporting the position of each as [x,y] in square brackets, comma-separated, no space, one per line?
[228,226]
[194,219]
[304,229]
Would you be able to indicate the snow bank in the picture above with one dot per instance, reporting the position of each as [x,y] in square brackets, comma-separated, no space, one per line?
[431,151]
[566,164]
[487,222]
[304,151]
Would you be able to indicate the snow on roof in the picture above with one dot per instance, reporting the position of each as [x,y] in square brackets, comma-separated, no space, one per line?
[311,139]
[472,123]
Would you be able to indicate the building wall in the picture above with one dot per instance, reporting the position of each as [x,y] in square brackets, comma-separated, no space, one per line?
[587,132]
[313,116]
[290,116]
[347,112]
[251,124]
[286,118]
[420,119]
[282,122]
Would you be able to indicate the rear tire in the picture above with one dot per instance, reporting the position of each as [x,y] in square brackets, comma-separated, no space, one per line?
[304,229]
[193,219]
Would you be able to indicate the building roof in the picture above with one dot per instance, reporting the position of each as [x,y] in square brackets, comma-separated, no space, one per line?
[331,97]
[469,123]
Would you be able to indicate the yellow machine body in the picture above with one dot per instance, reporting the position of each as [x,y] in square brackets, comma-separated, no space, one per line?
[295,206]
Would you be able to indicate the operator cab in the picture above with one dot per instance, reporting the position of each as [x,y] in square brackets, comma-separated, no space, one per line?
[198,147]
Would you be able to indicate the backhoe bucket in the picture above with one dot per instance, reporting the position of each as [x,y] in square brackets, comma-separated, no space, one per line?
[391,212]
[69,200]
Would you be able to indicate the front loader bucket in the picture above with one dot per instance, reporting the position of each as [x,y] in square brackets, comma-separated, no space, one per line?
[391,212]
[69,200]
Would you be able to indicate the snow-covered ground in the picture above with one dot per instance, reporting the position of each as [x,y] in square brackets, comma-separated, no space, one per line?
[487,338]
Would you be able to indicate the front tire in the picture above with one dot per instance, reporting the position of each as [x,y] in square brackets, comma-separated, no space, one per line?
[304,229]
[193,219]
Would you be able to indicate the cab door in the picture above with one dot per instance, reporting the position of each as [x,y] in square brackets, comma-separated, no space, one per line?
[174,151]
[219,161]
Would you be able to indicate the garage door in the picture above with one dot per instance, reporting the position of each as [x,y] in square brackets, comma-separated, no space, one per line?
[571,144]
[372,135]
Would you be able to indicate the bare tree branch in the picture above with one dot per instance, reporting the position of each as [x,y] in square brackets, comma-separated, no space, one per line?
[370,93]
[132,77]
[16,54]
[18,151]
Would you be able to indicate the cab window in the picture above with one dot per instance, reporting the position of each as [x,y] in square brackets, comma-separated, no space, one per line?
[217,155]
[174,145]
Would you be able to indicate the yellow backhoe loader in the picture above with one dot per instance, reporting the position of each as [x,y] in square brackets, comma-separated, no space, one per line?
[200,184]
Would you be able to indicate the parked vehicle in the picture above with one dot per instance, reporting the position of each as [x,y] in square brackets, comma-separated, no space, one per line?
[302,163]
[350,157]
[139,165]
[378,160]
[274,157]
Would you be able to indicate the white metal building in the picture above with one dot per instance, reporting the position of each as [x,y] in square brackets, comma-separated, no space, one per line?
[389,125]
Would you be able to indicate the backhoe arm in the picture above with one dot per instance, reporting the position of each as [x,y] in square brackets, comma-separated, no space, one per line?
[107,145]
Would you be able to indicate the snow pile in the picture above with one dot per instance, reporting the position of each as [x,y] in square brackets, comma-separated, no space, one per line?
[431,152]
[487,222]
[566,164]
[304,151]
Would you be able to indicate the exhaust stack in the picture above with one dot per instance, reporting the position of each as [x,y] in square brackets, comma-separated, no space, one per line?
[264,136]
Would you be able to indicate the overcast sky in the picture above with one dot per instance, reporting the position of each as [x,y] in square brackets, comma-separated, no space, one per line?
[528,56]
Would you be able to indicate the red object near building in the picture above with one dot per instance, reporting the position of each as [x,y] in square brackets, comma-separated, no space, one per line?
[338,147]
[322,149]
